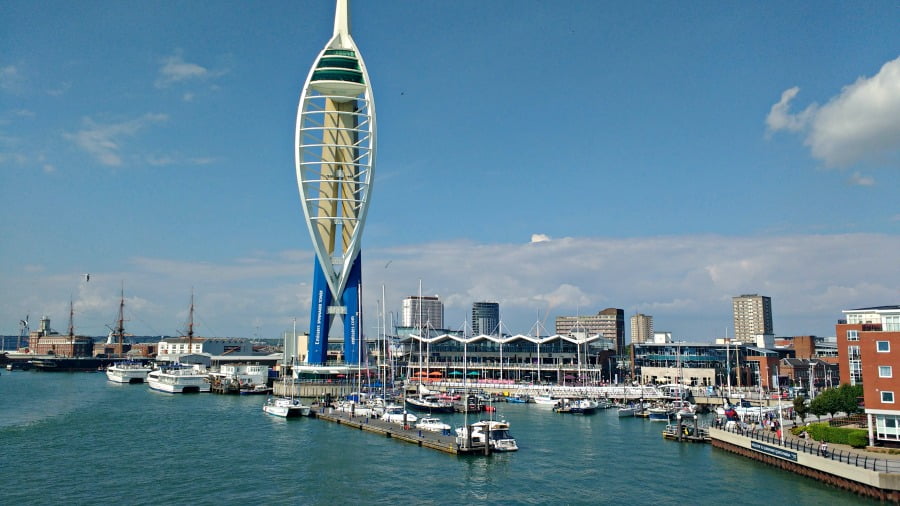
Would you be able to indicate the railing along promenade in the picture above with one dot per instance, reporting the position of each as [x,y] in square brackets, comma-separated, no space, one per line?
[862,460]
[595,392]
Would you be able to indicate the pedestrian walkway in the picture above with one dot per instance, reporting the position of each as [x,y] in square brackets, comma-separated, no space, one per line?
[788,435]
[861,457]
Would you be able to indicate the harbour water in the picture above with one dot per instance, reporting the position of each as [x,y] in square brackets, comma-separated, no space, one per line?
[77,438]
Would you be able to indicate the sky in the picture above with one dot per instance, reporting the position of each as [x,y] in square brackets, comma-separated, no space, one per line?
[556,157]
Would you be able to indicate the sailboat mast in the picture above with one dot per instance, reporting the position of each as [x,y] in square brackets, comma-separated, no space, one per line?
[120,322]
[419,323]
[71,327]
[359,345]
[190,332]
[384,345]
[728,360]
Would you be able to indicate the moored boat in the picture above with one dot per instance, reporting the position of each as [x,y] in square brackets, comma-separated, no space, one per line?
[285,407]
[433,424]
[396,414]
[430,404]
[128,372]
[660,413]
[545,400]
[520,399]
[494,432]
[576,406]
[179,379]
[631,409]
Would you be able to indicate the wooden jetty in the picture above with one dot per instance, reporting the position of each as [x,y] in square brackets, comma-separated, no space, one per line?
[687,430]
[408,433]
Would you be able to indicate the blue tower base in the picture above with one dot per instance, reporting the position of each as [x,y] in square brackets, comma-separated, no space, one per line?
[353,319]
[320,321]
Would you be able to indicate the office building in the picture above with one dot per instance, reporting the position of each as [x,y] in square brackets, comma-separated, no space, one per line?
[752,318]
[641,328]
[422,312]
[609,323]
[486,318]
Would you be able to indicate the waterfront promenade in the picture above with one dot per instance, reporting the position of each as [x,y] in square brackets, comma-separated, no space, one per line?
[867,473]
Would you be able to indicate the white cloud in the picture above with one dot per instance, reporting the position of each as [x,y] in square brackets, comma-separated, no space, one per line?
[60,90]
[780,117]
[539,238]
[104,141]
[177,159]
[685,283]
[859,125]
[11,81]
[857,179]
[174,69]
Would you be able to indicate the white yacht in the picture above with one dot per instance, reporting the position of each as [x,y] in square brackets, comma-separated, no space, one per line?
[497,432]
[432,424]
[285,407]
[128,372]
[396,414]
[179,379]
[545,400]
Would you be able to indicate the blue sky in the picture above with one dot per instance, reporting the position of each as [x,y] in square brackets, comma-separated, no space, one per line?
[558,157]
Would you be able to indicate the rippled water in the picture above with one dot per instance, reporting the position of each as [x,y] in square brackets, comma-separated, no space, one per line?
[76,438]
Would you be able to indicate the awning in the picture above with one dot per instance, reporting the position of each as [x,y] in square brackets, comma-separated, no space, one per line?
[435,373]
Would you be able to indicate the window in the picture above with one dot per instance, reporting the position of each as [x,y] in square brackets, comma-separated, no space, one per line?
[891,323]
[855,372]
[886,427]
[883,346]
[885,371]
[887,397]
[853,335]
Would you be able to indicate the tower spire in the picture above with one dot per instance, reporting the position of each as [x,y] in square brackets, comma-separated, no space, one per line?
[341,37]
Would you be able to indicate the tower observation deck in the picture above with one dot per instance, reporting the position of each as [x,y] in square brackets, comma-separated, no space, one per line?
[334,158]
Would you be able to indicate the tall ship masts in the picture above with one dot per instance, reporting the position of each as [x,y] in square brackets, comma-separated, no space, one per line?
[120,323]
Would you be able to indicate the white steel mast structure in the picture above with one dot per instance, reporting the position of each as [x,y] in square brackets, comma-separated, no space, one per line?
[335,157]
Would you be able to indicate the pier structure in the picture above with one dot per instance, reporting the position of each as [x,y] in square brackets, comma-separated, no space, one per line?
[334,158]
[877,477]
[406,433]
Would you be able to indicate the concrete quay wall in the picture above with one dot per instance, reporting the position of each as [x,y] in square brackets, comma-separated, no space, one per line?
[866,482]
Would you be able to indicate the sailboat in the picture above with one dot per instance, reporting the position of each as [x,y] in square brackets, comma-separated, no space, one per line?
[285,405]
[126,371]
[178,378]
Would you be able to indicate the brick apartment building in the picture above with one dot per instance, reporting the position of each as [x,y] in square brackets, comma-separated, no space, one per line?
[869,351]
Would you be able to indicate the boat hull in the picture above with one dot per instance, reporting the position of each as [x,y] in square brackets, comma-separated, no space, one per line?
[130,374]
[430,407]
[286,408]
[659,416]
[178,382]
[70,364]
